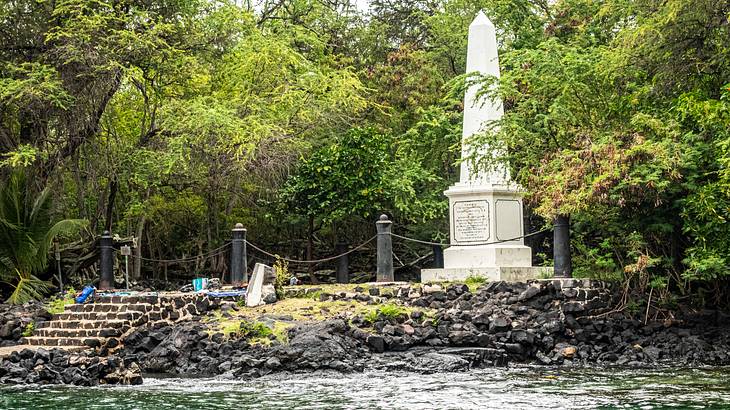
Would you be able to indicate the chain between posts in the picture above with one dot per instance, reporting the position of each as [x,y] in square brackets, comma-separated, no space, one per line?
[469,244]
[214,252]
[331,258]
[218,250]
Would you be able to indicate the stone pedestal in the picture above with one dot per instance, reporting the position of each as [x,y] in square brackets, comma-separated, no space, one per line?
[493,274]
[486,229]
[486,226]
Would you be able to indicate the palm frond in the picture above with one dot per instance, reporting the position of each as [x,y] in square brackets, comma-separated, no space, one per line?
[26,234]
[7,268]
[27,288]
[67,226]
[40,207]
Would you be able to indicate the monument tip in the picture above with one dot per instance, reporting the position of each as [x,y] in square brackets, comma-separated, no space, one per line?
[481,20]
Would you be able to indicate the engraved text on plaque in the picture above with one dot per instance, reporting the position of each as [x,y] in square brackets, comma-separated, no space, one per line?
[471,221]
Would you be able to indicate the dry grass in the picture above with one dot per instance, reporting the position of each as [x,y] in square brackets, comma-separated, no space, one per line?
[284,314]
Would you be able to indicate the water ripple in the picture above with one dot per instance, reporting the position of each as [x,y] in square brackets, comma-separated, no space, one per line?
[513,388]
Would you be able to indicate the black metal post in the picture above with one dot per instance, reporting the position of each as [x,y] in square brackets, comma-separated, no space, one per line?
[438,256]
[561,247]
[106,261]
[385,250]
[343,276]
[238,246]
[245,258]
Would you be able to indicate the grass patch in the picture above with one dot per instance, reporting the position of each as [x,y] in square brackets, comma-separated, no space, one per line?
[329,288]
[387,311]
[231,328]
[474,282]
[251,330]
[57,305]
[546,274]
[280,330]
[29,328]
[254,331]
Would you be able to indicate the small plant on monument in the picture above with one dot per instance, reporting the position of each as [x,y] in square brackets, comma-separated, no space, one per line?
[56,305]
[281,271]
[546,274]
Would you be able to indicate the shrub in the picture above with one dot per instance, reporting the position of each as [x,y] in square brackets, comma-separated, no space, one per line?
[388,311]
[58,305]
[29,328]
[281,270]
[251,330]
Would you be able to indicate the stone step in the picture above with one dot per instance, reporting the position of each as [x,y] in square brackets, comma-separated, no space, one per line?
[82,324]
[110,307]
[80,333]
[179,300]
[151,299]
[99,316]
[129,316]
[64,341]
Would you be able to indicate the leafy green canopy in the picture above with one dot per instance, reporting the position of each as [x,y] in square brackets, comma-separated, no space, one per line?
[358,175]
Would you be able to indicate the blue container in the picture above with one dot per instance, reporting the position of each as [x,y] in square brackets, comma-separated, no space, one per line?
[200,284]
[85,294]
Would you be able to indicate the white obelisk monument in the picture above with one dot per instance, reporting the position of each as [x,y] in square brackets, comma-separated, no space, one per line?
[485,207]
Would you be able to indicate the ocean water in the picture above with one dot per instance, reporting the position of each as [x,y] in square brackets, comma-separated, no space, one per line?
[504,388]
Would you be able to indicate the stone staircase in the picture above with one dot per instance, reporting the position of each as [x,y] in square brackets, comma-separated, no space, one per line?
[106,321]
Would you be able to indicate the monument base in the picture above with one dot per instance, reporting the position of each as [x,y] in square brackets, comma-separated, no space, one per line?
[502,255]
[494,274]
[486,232]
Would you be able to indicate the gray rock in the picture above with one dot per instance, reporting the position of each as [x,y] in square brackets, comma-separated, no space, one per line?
[376,343]
[500,324]
[529,293]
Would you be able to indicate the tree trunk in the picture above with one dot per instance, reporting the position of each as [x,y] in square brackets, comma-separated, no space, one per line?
[113,188]
[310,249]
[138,250]
[80,189]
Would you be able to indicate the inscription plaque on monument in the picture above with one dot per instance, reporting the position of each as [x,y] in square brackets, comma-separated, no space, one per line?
[471,221]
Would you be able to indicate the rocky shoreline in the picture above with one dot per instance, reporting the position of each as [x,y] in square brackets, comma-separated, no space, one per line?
[15,320]
[430,329]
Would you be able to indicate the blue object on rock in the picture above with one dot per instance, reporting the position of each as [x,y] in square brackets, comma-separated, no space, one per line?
[234,293]
[200,284]
[85,294]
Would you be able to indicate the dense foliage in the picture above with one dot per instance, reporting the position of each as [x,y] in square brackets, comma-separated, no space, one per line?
[26,235]
[172,120]
[618,116]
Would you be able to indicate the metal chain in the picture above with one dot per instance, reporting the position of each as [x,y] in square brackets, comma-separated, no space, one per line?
[468,244]
[214,252]
[314,260]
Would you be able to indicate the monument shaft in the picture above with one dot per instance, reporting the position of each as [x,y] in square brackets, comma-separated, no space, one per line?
[482,58]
